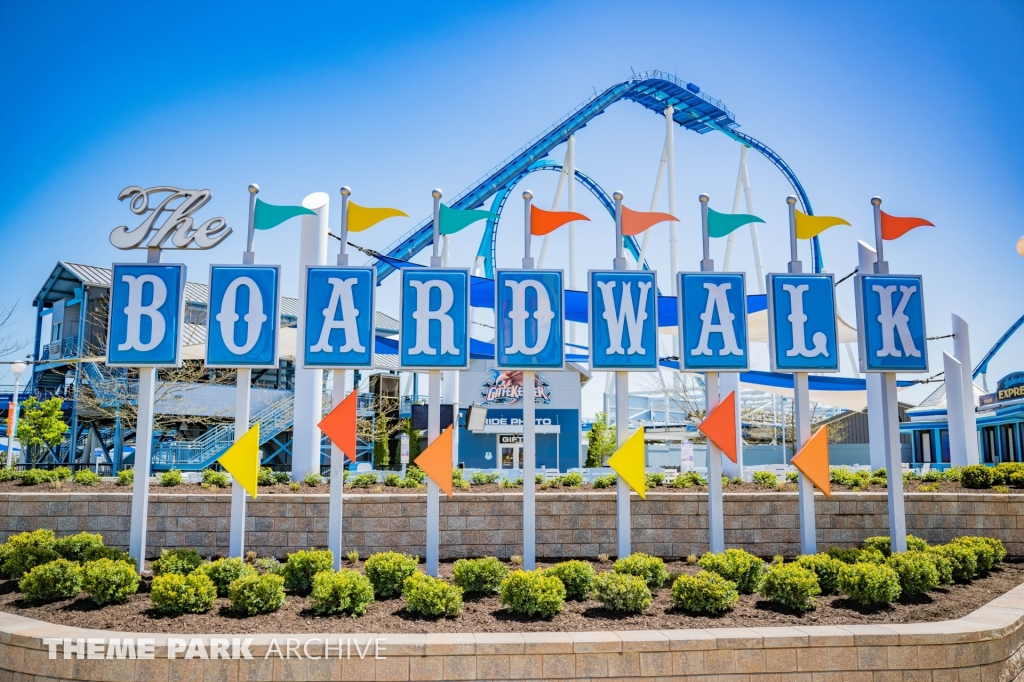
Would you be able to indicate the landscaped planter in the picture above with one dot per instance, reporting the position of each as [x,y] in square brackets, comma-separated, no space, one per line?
[984,645]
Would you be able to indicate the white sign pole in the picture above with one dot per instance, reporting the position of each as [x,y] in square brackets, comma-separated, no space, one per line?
[873,381]
[716,513]
[623,522]
[890,417]
[434,420]
[962,352]
[529,427]
[801,413]
[143,453]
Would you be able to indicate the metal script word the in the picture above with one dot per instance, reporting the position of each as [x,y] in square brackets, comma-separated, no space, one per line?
[178,222]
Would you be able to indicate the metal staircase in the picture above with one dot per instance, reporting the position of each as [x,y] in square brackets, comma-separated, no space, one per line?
[194,455]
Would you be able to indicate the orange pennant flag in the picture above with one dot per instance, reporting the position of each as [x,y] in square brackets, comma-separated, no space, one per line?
[436,461]
[340,425]
[544,222]
[812,461]
[894,227]
[635,222]
[720,426]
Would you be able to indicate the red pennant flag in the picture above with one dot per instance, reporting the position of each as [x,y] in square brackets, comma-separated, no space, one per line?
[340,425]
[544,222]
[894,227]
[635,222]
[720,426]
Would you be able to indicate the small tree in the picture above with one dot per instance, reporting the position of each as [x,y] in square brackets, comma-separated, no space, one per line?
[414,439]
[380,430]
[41,423]
[600,442]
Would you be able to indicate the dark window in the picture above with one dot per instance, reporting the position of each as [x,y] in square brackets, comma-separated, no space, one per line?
[944,444]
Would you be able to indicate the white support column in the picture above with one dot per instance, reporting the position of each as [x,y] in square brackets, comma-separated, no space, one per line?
[571,162]
[335,508]
[433,492]
[962,352]
[727,261]
[529,471]
[873,381]
[566,166]
[729,382]
[623,526]
[754,243]
[716,513]
[955,413]
[143,455]
[894,466]
[309,382]
[450,396]
[802,427]
[236,540]
[673,241]
[654,204]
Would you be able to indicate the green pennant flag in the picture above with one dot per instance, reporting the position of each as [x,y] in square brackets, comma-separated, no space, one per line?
[721,224]
[454,219]
[268,215]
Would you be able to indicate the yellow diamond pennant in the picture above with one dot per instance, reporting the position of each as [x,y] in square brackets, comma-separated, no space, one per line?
[242,460]
[628,462]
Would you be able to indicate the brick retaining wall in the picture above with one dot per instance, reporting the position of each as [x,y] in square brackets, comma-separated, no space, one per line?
[568,524]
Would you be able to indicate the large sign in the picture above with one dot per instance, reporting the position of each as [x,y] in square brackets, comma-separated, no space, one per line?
[243,315]
[891,324]
[505,387]
[179,226]
[338,332]
[713,321]
[802,323]
[623,320]
[434,305]
[530,319]
[1010,387]
[147,306]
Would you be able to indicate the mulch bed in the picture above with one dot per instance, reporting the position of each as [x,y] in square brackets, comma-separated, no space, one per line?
[485,614]
[281,489]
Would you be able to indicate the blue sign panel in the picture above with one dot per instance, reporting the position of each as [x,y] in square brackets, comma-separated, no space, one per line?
[243,314]
[530,319]
[713,321]
[147,306]
[890,323]
[623,320]
[802,323]
[338,332]
[435,319]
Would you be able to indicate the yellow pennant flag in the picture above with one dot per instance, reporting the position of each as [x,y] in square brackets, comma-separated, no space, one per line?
[362,218]
[628,462]
[808,226]
[242,460]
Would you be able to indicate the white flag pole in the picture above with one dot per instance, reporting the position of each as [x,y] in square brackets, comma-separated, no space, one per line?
[529,425]
[434,421]
[716,513]
[623,523]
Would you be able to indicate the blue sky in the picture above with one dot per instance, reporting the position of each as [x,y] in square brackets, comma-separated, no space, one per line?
[916,102]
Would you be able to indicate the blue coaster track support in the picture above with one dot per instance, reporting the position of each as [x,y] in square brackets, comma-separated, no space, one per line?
[654,90]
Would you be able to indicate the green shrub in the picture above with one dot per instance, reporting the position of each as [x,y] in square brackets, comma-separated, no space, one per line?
[8,474]
[302,566]
[574,479]
[74,547]
[988,551]
[25,551]
[97,552]
[1016,479]
[429,596]
[414,473]
[916,572]
[479,575]
[224,571]
[952,474]
[387,572]
[63,474]
[976,476]
[883,544]
[652,480]
[532,593]
[179,561]
[943,566]
[217,479]
[791,585]
[853,556]
[364,480]
[171,478]
[736,565]
[1002,472]
[393,480]
[705,592]
[36,476]
[108,581]
[792,477]
[172,593]
[576,576]
[688,480]
[621,592]
[483,477]
[868,583]
[265,476]
[766,479]
[254,594]
[512,483]
[605,481]
[59,579]
[650,568]
[268,564]
[126,477]
[825,568]
[86,477]
[537,478]
[932,476]
[962,558]
[282,477]
[997,547]
[346,591]
[313,479]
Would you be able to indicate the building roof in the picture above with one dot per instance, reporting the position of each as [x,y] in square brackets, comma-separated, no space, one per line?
[937,399]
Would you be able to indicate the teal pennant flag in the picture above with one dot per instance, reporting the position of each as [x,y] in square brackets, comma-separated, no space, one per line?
[721,224]
[268,215]
[454,219]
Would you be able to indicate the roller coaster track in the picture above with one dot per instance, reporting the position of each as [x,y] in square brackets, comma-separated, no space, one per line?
[654,90]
